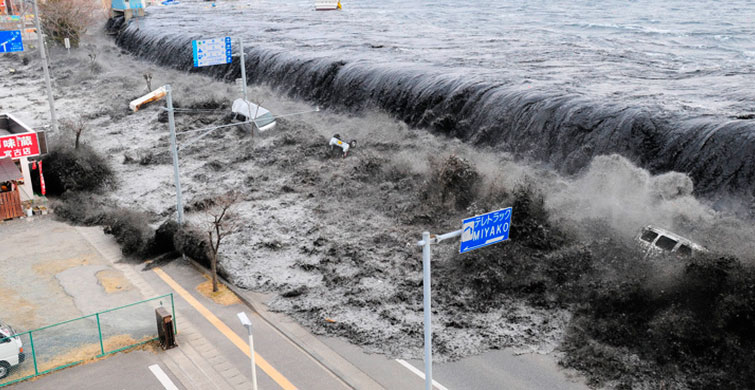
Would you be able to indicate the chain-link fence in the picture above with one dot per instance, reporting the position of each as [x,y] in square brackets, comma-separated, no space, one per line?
[27,354]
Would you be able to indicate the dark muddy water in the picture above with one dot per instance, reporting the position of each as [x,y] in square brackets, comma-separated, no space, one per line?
[666,84]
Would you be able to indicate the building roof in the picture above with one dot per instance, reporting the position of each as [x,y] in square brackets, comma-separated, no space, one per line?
[9,171]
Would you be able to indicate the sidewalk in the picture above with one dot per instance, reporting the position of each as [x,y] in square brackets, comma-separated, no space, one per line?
[303,339]
[212,352]
[195,363]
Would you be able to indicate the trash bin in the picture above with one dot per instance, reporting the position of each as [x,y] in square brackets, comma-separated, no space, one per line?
[165,328]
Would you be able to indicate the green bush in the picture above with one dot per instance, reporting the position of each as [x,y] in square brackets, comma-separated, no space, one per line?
[699,323]
[80,208]
[68,18]
[191,242]
[131,231]
[82,169]
[637,323]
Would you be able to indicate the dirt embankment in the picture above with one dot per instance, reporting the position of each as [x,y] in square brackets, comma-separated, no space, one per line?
[336,237]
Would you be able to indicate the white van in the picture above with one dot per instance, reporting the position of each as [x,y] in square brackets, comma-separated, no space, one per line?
[245,110]
[11,349]
[656,241]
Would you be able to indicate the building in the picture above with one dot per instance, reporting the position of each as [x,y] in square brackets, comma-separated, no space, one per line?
[19,144]
[127,8]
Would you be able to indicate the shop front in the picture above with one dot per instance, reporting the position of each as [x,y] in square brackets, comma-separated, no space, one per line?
[10,201]
[19,146]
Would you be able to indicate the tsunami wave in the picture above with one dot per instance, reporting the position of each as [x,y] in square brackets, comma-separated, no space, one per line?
[563,130]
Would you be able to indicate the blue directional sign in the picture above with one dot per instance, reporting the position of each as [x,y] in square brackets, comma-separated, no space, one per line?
[215,51]
[485,229]
[10,41]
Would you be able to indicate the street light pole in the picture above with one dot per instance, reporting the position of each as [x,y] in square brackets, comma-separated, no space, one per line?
[248,325]
[174,152]
[41,43]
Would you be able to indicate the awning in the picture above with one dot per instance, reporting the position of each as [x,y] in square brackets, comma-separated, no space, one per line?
[9,171]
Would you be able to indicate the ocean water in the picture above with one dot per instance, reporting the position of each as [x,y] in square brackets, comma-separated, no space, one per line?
[669,85]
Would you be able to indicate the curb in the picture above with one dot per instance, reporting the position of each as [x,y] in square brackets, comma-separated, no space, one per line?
[366,382]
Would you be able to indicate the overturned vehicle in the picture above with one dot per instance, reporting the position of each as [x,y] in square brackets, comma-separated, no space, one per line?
[658,241]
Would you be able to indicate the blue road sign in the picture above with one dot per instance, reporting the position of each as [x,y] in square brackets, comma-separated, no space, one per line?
[215,51]
[485,229]
[10,41]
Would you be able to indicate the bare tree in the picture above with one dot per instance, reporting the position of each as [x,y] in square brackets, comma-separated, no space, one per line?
[76,125]
[68,18]
[148,79]
[93,60]
[223,222]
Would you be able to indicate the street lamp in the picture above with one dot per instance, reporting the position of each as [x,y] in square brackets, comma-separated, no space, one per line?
[248,325]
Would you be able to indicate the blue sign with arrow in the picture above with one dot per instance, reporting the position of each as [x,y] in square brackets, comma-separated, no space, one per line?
[485,229]
[10,41]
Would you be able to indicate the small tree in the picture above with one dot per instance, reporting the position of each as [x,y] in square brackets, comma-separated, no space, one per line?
[223,222]
[68,18]
[148,80]
[75,125]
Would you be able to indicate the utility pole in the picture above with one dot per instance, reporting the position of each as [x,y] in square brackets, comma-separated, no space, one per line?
[42,50]
[174,150]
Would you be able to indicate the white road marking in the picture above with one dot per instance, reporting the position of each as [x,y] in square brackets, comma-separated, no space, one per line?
[419,373]
[162,377]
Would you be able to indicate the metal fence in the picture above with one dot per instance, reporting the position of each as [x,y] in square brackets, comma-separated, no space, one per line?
[71,342]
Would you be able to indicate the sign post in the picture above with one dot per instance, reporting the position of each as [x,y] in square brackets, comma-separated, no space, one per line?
[243,67]
[219,51]
[476,232]
[426,308]
[206,52]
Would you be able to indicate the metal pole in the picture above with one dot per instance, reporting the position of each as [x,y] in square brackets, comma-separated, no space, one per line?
[33,353]
[174,150]
[243,67]
[242,64]
[99,330]
[50,99]
[173,311]
[251,353]
[428,323]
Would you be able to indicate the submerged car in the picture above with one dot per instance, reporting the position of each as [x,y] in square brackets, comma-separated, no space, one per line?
[657,241]
[246,110]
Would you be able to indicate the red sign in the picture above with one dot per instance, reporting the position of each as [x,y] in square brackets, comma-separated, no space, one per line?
[19,145]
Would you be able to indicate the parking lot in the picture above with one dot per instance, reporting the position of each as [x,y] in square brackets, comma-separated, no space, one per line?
[57,276]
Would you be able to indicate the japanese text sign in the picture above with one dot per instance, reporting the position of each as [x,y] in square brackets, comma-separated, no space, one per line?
[485,229]
[19,145]
[212,51]
[10,41]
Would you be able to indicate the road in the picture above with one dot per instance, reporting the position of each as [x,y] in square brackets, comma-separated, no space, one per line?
[492,370]
[214,341]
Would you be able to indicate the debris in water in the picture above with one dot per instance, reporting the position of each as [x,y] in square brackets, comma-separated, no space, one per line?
[153,96]
[336,141]
[262,118]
